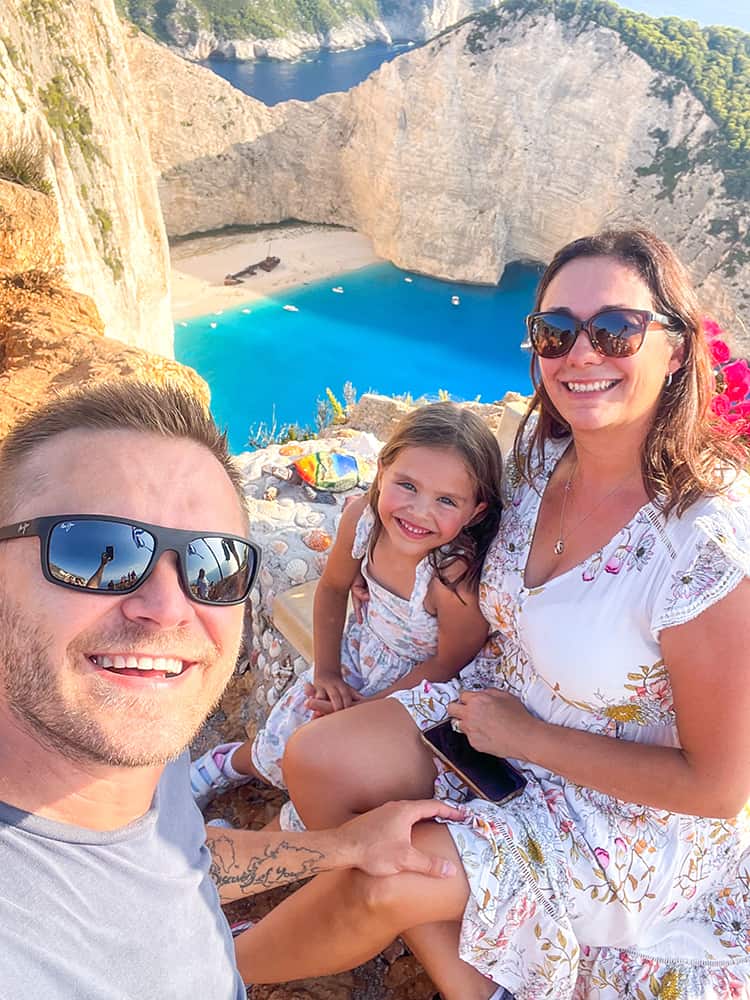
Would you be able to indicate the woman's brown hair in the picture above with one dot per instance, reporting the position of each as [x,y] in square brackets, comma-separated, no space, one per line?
[449,426]
[685,450]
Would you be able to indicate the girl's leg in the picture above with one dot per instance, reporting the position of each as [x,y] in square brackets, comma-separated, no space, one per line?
[242,761]
[341,919]
[351,761]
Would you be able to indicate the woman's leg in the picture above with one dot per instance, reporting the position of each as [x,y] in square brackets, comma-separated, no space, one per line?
[436,947]
[341,919]
[354,760]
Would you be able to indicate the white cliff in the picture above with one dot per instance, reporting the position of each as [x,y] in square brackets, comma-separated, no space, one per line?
[459,156]
[411,20]
[66,85]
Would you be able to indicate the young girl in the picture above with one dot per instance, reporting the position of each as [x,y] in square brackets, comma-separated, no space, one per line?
[419,538]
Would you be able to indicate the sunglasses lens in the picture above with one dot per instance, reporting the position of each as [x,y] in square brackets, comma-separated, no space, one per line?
[551,334]
[219,570]
[99,555]
[618,333]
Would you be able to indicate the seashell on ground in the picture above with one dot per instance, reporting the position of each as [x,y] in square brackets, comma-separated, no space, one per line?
[317,540]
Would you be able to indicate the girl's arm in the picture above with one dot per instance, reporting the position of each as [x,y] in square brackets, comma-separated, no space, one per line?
[462,631]
[329,611]
[709,775]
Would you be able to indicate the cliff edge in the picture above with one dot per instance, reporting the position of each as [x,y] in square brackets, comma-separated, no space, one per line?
[51,337]
[65,87]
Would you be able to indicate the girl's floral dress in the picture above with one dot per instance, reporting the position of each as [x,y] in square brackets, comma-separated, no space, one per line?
[395,636]
[575,894]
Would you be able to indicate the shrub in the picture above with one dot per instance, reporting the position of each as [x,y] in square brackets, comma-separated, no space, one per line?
[22,162]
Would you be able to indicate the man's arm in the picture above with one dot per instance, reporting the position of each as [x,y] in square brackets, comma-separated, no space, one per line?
[245,862]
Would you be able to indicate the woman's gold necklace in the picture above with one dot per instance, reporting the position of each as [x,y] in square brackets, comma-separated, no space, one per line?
[560,543]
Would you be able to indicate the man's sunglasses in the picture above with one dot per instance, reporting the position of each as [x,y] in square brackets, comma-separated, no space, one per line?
[615,333]
[112,555]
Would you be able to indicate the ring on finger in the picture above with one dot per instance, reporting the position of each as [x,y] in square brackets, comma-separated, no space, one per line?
[456,725]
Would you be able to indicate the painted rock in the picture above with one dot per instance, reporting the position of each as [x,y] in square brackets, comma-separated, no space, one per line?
[331,471]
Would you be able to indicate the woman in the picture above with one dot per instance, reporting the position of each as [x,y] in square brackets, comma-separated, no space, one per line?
[617,584]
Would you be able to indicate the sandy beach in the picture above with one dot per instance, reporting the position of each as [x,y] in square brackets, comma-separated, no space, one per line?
[308,253]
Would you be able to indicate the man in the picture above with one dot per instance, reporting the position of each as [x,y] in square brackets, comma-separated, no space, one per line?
[107,669]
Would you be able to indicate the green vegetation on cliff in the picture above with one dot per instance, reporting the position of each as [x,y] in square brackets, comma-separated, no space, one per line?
[243,18]
[713,62]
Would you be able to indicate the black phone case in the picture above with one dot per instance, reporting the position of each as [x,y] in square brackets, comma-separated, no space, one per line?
[491,778]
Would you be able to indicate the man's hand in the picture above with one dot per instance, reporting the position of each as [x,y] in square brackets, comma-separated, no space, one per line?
[380,840]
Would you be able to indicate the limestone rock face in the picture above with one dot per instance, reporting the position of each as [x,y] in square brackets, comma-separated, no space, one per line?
[29,231]
[51,337]
[412,20]
[465,154]
[66,87]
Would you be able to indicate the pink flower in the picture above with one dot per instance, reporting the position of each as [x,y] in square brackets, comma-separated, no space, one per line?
[720,405]
[602,856]
[737,376]
[711,328]
[615,561]
[720,352]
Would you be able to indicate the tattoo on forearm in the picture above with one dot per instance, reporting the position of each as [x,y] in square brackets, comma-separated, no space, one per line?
[276,866]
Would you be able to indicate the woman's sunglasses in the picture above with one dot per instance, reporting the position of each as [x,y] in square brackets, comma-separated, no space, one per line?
[111,555]
[615,333]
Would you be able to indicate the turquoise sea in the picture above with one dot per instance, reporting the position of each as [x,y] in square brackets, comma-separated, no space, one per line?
[382,332]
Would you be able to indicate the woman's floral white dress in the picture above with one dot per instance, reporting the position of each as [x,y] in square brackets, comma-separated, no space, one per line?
[575,894]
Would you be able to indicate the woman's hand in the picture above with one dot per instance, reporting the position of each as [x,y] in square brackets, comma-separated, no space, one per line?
[495,722]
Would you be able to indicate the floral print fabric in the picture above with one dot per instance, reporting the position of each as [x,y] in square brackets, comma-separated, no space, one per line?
[394,637]
[576,895]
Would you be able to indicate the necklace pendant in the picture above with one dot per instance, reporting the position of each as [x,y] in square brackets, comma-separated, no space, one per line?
[559,547]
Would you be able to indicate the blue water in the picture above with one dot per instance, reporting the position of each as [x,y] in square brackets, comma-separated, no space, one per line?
[382,333]
[323,72]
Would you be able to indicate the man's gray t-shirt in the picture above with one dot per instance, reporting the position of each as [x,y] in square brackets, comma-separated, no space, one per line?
[130,914]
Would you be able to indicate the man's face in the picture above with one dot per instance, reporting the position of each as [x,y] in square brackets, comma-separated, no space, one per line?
[52,639]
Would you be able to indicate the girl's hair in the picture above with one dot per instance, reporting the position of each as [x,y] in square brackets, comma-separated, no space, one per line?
[446,425]
[684,450]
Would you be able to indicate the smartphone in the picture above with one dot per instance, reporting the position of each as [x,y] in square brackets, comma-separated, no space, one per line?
[491,778]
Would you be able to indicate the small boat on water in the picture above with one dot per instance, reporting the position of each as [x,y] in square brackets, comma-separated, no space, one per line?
[291,309]
[455,300]
[408,280]
[338,289]
[246,310]
[213,325]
